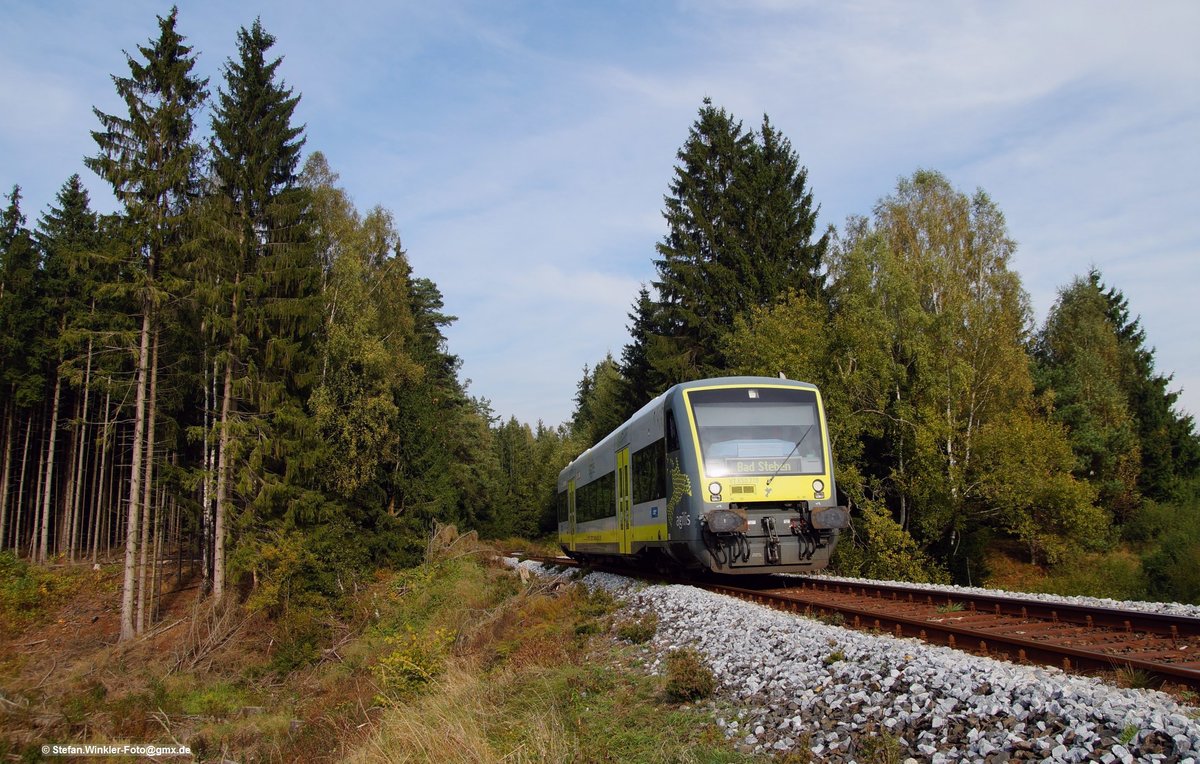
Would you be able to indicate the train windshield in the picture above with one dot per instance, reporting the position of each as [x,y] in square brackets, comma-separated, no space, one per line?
[758,431]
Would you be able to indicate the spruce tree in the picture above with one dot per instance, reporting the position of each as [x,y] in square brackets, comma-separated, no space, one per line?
[1079,357]
[68,237]
[21,369]
[261,279]
[151,161]
[780,223]
[21,313]
[642,382]
[1170,447]
[703,251]
[741,222]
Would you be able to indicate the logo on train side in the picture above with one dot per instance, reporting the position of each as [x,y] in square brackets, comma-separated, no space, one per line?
[681,484]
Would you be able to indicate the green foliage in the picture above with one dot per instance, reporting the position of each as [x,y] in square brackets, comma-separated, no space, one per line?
[414,660]
[1128,734]
[1044,506]
[1113,574]
[881,748]
[599,403]
[1167,537]
[528,463]
[1079,358]
[220,700]
[879,548]
[1171,570]
[919,351]
[1168,441]
[21,312]
[833,657]
[598,602]
[741,224]
[688,676]
[28,592]
[638,630]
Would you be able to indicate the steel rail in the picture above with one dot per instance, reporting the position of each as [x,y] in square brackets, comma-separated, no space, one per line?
[1038,617]
[989,643]
[1084,615]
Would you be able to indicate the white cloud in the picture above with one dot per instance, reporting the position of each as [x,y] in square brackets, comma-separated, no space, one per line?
[525,151]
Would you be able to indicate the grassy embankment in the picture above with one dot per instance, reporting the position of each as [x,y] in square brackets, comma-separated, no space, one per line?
[1155,558]
[458,660]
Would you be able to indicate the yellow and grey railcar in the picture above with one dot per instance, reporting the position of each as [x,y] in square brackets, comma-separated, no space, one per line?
[732,475]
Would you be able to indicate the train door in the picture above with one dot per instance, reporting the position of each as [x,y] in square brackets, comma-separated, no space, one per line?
[571,515]
[624,501]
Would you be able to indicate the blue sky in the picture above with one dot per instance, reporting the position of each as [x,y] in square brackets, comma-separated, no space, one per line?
[524,148]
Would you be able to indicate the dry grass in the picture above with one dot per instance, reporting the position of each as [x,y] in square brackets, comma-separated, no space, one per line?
[452,724]
[210,626]
[535,674]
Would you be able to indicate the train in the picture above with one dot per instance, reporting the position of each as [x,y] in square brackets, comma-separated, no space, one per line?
[730,476]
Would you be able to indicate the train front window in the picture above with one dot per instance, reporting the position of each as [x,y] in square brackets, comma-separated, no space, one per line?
[758,431]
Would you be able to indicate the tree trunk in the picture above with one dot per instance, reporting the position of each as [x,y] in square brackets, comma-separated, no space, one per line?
[148,485]
[206,508]
[34,538]
[223,459]
[9,424]
[222,487]
[66,522]
[16,545]
[81,462]
[135,480]
[100,506]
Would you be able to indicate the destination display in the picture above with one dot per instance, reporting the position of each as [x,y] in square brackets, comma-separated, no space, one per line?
[760,466]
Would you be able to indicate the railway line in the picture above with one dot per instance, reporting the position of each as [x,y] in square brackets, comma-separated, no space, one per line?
[1076,638]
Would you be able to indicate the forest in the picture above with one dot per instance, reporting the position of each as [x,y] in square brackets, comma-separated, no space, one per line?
[239,373]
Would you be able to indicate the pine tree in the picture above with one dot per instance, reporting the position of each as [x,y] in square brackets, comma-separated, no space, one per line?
[68,237]
[641,378]
[1169,444]
[1080,358]
[741,222]
[260,283]
[151,160]
[22,384]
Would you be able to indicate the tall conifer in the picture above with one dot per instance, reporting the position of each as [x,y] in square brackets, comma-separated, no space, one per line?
[741,222]
[260,275]
[151,161]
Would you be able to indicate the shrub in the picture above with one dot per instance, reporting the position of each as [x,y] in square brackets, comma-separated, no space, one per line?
[878,547]
[638,630]
[29,592]
[415,660]
[688,676]
[1116,574]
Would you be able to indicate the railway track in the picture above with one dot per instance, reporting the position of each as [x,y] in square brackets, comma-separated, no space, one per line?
[1075,638]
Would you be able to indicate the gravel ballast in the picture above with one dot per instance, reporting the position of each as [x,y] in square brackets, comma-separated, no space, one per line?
[800,683]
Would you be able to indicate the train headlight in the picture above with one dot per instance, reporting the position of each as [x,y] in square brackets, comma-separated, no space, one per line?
[818,486]
[714,488]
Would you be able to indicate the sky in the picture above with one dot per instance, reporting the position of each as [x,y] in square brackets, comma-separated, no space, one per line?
[524,148]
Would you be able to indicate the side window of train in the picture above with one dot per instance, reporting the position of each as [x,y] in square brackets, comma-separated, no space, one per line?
[672,433]
[649,468]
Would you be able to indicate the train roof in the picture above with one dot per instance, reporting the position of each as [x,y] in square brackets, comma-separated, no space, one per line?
[693,384]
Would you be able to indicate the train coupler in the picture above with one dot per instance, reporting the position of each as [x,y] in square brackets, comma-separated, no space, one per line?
[772,554]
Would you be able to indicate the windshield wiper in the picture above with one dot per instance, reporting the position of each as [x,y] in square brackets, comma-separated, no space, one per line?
[789,456]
